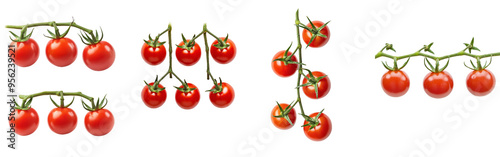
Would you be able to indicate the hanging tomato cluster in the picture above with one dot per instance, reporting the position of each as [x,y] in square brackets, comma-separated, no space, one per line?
[188,53]
[98,55]
[438,83]
[62,119]
[315,85]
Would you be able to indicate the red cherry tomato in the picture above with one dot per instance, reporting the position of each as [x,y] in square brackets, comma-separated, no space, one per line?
[225,55]
[99,122]
[62,120]
[153,55]
[321,131]
[153,99]
[318,41]
[26,121]
[438,85]
[323,86]
[480,82]
[26,53]
[280,68]
[99,56]
[395,83]
[280,122]
[223,98]
[61,52]
[186,57]
[187,100]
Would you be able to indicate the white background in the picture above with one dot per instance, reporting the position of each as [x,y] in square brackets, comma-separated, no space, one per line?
[366,122]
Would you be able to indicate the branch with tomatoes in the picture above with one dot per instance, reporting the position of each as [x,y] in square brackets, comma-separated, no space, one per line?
[61,51]
[315,85]
[188,53]
[62,119]
[438,83]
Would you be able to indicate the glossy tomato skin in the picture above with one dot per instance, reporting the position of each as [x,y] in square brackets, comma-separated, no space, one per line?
[153,99]
[282,123]
[225,55]
[280,68]
[26,53]
[438,85]
[395,83]
[153,55]
[62,120]
[318,41]
[61,52]
[480,82]
[26,121]
[188,100]
[323,86]
[321,131]
[224,98]
[186,57]
[99,122]
[99,56]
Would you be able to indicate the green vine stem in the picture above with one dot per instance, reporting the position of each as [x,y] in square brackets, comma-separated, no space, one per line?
[299,47]
[27,99]
[426,48]
[51,24]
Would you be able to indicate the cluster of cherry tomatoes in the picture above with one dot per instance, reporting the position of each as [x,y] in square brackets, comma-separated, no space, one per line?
[439,83]
[315,85]
[98,55]
[62,119]
[187,53]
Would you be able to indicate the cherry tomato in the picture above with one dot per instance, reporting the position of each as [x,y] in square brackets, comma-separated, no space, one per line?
[280,68]
[99,122]
[480,82]
[395,83]
[438,85]
[224,98]
[323,86]
[61,52]
[153,99]
[153,55]
[321,131]
[318,41]
[62,120]
[187,100]
[280,122]
[186,57]
[225,55]
[26,121]
[99,56]
[26,53]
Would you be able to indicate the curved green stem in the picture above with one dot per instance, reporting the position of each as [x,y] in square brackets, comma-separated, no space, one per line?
[209,74]
[57,93]
[418,53]
[49,24]
[299,47]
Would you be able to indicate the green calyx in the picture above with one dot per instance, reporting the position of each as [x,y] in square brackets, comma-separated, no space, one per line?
[56,34]
[315,32]
[217,86]
[311,81]
[25,105]
[61,94]
[395,67]
[23,36]
[435,68]
[156,42]
[470,46]
[91,38]
[154,87]
[185,87]
[284,112]
[222,44]
[287,59]
[187,45]
[100,104]
[478,65]
[312,122]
